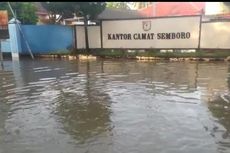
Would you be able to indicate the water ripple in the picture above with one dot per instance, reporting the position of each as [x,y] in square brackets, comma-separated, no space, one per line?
[114,106]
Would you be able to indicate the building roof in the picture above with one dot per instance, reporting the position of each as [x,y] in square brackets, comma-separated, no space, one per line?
[173,9]
[113,13]
[40,9]
[219,17]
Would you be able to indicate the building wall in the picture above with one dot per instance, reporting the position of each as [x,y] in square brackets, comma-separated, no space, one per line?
[215,35]
[45,39]
[5,46]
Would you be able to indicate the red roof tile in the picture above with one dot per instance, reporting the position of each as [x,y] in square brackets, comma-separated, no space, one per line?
[173,9]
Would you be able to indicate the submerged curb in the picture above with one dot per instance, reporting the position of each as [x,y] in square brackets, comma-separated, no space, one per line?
[69,57]
[139,58]
[182,59]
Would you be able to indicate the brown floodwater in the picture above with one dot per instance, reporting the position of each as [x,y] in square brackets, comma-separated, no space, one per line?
[114,106]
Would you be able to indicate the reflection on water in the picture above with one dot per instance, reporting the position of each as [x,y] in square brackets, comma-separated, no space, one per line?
[220,110]
[114,106]
[83,113]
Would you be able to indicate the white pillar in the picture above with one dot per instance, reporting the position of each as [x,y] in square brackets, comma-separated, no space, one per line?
[15,39]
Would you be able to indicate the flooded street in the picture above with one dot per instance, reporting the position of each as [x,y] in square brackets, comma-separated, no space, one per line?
[114,106]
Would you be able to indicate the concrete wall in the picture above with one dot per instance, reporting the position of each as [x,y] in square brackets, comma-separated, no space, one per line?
[5,46]
[80,37]
[215,35]
[157,27]
[44,39]
[94,36]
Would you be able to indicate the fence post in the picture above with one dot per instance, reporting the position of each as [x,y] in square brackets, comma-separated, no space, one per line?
[200,32]
[1,56]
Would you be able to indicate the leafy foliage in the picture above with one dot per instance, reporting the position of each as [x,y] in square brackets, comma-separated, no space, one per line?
[68,9]
[121,5]
[25,11]
[92,9]
[226,6]
[58,10]
[88,10]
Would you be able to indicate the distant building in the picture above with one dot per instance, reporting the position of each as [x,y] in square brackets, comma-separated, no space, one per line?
[108,13]
[42,13]
[160,9]
[114,13]
[139,5]
[217,11]
[76,21]
[209,10]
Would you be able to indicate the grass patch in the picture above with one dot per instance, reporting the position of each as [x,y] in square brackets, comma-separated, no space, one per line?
[122,53]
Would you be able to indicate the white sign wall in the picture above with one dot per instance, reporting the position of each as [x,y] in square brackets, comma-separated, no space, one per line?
[173,32]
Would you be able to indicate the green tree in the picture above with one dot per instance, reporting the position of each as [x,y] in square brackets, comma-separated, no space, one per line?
[227,4]
[120,5]
[58,10]
[90,9]
[140,5]
[226,7]
[61,10]
[25,11]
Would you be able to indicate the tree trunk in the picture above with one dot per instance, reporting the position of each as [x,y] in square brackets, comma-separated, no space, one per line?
[86,35]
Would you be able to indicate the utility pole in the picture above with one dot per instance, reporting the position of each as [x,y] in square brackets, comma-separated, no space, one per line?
[86,33]
[27,44]
[1,56]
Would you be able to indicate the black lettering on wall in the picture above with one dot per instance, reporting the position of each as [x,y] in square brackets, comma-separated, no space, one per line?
[167,35]
[182,35]
[109,36]
[152,35]
[188,35]
[148,36]
[143,36]
[135,36]
[159,36]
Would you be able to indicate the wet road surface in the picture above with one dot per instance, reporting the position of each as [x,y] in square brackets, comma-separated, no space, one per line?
[114,106]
